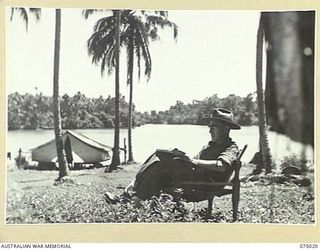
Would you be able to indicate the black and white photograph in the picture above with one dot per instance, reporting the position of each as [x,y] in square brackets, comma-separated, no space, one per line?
[159,116]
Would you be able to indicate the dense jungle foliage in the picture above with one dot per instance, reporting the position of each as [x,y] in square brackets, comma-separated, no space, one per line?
[35,111]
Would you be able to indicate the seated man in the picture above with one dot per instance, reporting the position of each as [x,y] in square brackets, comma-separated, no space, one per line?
[213,162]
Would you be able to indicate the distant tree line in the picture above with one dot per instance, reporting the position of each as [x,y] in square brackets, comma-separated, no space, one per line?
[35,111]
[78,112]
[244,109]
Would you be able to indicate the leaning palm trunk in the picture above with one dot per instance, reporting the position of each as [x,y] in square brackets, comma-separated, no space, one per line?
[116,151]
[263,138]
[130,83]
[63,168]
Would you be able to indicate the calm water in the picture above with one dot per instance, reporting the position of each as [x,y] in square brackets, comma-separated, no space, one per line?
[148,138]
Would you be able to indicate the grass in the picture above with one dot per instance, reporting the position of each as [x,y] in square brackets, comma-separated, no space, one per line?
[32,197]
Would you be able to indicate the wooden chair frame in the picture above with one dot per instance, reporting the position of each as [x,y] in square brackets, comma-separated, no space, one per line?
[192,186]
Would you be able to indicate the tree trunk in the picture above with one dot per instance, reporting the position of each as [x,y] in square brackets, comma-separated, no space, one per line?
[63,167]
[116,151]
[263,138]
[130,82]
[290,73]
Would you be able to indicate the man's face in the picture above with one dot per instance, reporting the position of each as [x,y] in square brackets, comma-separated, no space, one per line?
[217,130]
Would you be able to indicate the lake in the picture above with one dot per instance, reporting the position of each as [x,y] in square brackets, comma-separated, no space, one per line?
[148,138]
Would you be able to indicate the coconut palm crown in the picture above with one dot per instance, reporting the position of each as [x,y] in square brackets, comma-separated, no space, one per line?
[136,29]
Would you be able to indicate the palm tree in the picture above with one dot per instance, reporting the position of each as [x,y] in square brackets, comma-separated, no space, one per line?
[138,27]
[104,47]
[263,137]
[63,167]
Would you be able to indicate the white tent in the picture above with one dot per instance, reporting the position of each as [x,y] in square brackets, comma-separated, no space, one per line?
[78,147]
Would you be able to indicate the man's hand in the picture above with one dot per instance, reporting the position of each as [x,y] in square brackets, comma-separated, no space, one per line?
[194,161]
[184,158]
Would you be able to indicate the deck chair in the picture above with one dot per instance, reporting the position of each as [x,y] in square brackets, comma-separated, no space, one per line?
[193,190]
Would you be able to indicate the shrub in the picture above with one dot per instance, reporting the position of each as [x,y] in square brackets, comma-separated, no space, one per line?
[296,161]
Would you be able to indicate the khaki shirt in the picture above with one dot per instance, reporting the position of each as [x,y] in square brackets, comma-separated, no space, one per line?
[227,152]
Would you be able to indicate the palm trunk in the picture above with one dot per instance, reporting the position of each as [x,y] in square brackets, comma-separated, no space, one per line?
[116,151]
[130,82]
[263,138]
[63,168]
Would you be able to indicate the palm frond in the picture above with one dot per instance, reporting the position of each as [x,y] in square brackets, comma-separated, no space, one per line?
[175,31]
[138,55]
[98,43]
[103,35]
[36,12]
[153,34]
[12,12]
[99,46]
[103,64]
[142,40]
[24,14]
[110,59]
[104,24]
[163,22]
[142,31]
[88,12]
[161,13]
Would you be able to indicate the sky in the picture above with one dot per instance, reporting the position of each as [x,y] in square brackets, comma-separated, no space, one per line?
[214,54]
